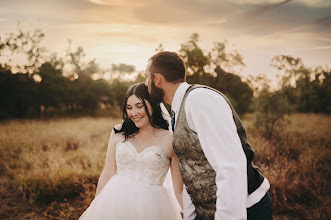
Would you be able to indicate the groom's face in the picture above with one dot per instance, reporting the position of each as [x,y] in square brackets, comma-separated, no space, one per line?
[155,93]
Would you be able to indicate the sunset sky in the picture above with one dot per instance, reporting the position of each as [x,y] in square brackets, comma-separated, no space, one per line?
[128,31]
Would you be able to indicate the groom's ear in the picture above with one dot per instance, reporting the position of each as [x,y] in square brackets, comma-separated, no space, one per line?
[158,79]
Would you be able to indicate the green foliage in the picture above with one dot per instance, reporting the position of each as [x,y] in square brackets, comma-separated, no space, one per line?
[47,85]
[271,113]
[193,56]
[307,89]
[55,89]
[118,89]
[18,95]
[233,86]
[223,59]
[21,51]
[122,67]
[211,69]
[321,86]
[271,109]
[59,86]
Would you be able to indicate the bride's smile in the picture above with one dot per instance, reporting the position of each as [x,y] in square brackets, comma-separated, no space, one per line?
[136,111]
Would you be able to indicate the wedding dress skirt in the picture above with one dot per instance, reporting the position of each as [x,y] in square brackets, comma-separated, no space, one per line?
[136,191]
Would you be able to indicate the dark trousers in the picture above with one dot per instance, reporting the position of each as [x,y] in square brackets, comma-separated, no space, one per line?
[261,210]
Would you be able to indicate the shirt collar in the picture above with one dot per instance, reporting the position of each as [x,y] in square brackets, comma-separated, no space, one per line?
[178,97]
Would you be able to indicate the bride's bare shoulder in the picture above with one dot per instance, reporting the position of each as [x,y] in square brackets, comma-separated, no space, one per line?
[166,140]
[118,127]
[165,136]
[117,136]
[165,133]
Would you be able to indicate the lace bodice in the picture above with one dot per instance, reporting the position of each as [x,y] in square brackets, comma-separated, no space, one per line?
[149,166]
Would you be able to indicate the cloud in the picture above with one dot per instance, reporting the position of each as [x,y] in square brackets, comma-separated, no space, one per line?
[324,21]
[285,16]
[248,23]
[128,36]
[125,3]
[98,2]
[327,47]
[253,17]
[52,12]
[316,3]
[184,12]
[309,3]
[265,8]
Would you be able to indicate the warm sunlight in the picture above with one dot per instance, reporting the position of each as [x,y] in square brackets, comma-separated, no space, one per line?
[122,32]
[83,136]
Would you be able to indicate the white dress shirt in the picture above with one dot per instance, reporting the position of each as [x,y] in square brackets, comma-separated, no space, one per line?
[210,116]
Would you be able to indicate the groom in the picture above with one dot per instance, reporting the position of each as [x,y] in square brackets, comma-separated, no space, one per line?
[211,144]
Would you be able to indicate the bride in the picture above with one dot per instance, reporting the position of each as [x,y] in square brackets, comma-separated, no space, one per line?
[138,159]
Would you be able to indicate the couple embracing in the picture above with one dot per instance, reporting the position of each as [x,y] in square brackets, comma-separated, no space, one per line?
[208,154]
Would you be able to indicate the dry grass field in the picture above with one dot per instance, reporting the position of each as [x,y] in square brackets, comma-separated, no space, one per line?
[297,164]
[49,169]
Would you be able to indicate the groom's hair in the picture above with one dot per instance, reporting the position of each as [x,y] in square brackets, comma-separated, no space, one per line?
[169,65]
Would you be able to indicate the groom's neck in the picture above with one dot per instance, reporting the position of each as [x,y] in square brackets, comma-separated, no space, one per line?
[169,92]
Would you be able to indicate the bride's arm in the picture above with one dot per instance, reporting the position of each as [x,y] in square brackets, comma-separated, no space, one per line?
[176,179]
[110,165]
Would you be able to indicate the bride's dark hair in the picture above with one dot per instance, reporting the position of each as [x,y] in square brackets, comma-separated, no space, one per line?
[128,128]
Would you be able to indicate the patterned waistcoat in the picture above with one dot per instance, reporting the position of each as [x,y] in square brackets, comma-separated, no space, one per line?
[197,174]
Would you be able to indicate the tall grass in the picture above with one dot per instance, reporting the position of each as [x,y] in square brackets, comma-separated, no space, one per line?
[46,166]
[49,169]
[297,163]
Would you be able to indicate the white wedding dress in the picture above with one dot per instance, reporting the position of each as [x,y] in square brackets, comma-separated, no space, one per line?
[136,191]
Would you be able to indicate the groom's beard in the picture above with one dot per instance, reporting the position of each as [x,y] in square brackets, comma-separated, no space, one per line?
[156,94]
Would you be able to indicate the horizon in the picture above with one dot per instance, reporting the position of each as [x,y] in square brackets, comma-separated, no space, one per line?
[128,32]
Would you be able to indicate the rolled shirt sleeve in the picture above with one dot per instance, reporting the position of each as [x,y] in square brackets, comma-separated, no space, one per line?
[210,116]
[188,209]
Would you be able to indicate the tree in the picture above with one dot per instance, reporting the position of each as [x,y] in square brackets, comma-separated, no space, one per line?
[194,57]
[296,75]
[239,92]
[321,84]
[55,89]
[271,108]
[118,89]
[211,69]
[228,61]
[45,85]
[306,88]
[22,51]
[160,48]
[18,95]
[122,71]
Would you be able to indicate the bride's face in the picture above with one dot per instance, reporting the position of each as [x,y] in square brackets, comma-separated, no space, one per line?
[136,111]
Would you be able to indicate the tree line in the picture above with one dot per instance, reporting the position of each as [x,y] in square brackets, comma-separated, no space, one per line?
[50,85]
[300,88]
